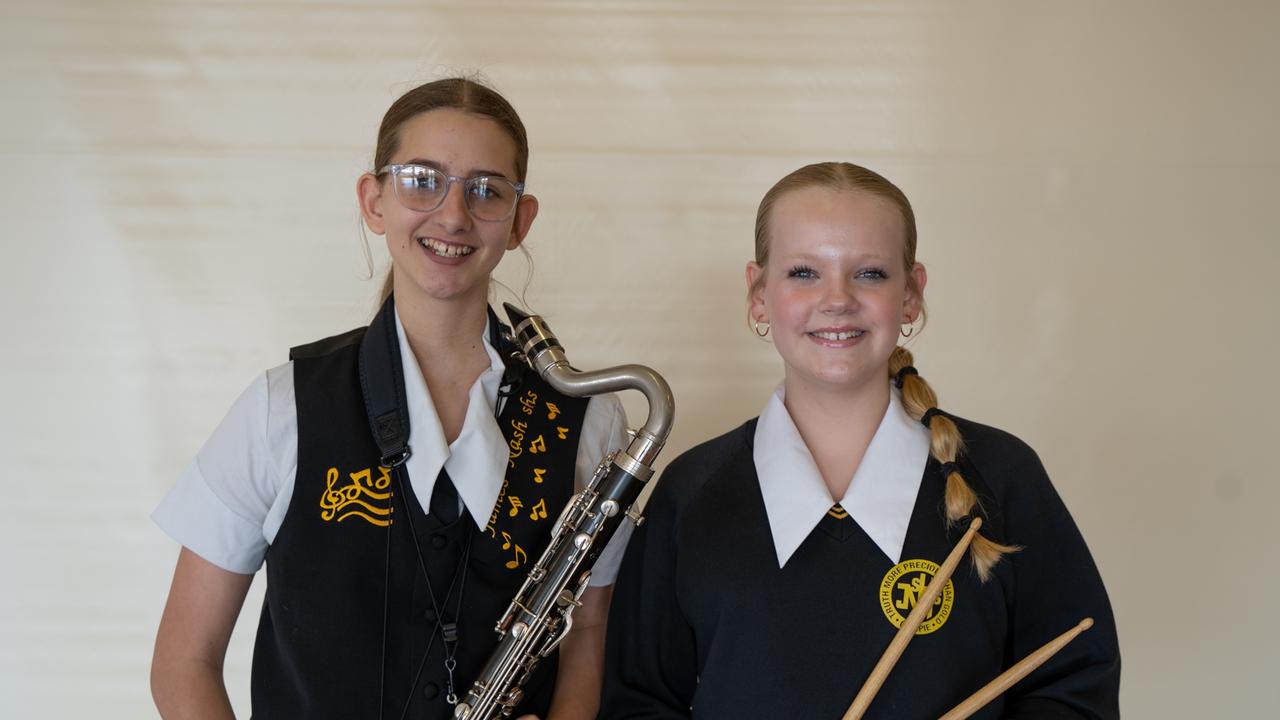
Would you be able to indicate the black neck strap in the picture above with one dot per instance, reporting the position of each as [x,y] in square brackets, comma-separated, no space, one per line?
[382,383]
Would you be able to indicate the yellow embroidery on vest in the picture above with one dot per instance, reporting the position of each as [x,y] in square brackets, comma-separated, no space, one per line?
[552,410]
[838,512]
[517,436]
[528,402]
[902,587]
[493,516]
[360,497]
[520,557]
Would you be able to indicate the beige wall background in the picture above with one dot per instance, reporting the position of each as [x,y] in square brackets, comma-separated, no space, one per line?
[1096,186]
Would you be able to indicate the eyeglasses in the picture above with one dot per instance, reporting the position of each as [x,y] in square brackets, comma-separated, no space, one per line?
[488,197]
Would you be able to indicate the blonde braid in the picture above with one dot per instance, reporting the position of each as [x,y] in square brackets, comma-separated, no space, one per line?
[945,445]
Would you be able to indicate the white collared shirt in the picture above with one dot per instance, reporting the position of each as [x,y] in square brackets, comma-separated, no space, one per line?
[880,498]
[231,501]
[477,458]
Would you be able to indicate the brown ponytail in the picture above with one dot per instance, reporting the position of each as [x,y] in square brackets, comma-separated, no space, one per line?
[945,445]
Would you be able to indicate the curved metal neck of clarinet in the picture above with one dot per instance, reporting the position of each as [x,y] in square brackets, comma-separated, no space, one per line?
[545,354]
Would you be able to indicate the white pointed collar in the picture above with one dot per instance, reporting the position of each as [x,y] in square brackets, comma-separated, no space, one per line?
[880,498]
[477,459]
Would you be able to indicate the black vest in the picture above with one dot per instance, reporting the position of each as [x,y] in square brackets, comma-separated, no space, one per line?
[348,627]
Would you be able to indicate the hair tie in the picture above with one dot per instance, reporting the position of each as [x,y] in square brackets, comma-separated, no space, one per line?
[928,415]
[902,375]
[948,468]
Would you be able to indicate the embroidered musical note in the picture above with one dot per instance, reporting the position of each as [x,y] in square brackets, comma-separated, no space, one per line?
[538,473]
[539,510]
[538,445]
[521,557]
[563,432]
[515,505]
[552,411]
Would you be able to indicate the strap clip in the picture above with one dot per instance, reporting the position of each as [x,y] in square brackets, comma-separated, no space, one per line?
[394,460]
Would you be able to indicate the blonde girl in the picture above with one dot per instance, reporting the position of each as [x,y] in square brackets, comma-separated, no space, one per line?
[779,559]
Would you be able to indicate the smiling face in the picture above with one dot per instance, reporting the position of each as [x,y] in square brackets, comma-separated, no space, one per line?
[446,254]
[835,288]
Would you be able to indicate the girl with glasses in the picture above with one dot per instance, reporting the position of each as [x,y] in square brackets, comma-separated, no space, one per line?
[778,560]
[398,480]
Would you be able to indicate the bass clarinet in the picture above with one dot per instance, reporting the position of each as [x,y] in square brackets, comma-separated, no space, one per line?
[542,612]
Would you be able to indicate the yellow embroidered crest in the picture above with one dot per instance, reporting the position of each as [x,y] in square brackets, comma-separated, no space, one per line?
[903,585]
[363,496]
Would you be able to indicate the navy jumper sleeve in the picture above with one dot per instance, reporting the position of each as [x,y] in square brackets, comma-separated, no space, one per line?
[650,654]
[1054,583]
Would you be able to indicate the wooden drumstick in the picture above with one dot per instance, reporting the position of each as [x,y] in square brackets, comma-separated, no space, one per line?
[1006,679]
[910,625]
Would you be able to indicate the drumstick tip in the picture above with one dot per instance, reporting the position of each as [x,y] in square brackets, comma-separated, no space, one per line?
[1085,624]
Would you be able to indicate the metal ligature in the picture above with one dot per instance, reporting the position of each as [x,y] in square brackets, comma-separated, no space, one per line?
[542,612]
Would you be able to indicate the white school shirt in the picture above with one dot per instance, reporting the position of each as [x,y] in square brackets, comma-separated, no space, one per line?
[231,500]
[880,498]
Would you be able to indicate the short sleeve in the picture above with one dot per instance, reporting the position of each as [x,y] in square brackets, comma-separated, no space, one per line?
[604,429]
[221,506]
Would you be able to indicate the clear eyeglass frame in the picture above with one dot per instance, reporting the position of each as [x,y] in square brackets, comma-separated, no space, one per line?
[399,173]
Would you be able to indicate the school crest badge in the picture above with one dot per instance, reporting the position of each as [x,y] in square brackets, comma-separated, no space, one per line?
[902,587]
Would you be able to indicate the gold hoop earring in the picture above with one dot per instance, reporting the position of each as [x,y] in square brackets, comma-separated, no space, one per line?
[907,333]
[755,327]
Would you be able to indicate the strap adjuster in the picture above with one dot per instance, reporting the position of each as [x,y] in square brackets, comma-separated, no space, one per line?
[394,460]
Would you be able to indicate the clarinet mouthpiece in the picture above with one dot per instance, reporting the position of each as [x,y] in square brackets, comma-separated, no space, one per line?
[535,339]
[514,314]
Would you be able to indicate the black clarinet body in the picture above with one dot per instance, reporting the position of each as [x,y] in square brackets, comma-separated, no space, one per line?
[541,614]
